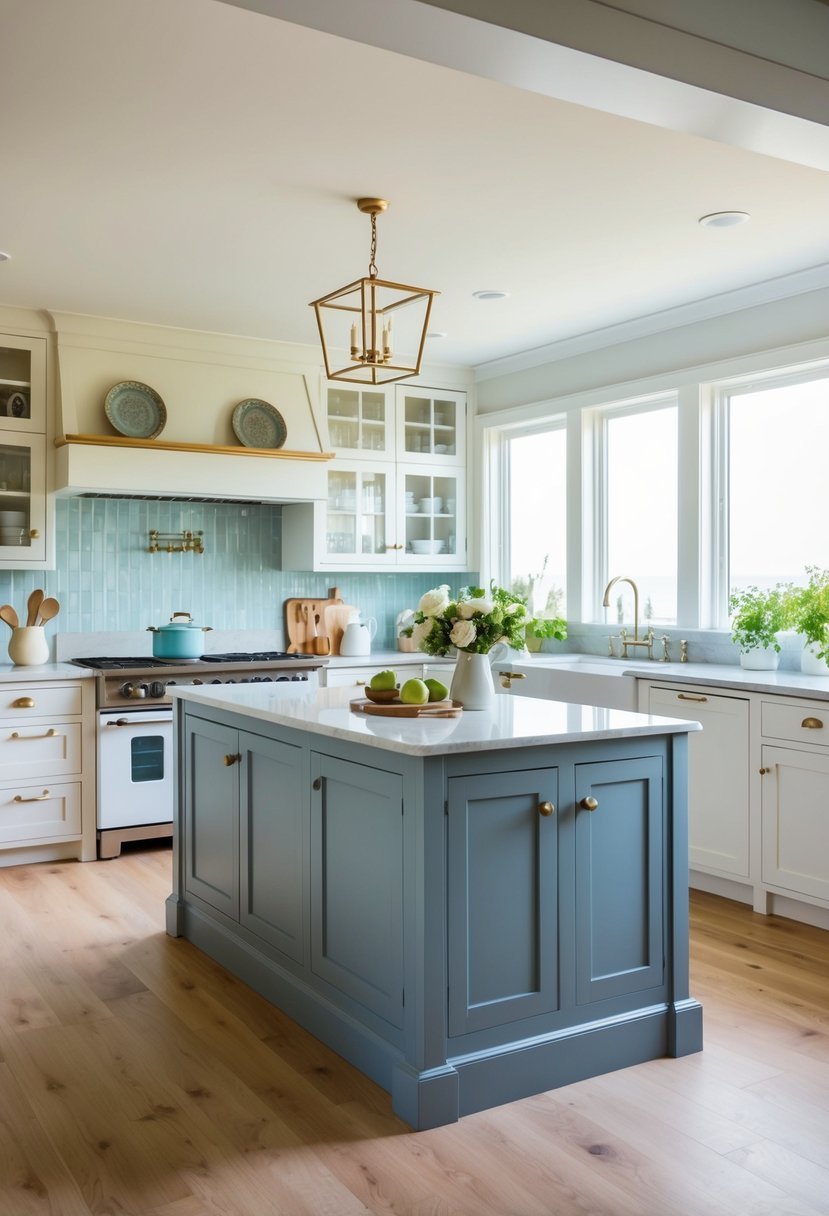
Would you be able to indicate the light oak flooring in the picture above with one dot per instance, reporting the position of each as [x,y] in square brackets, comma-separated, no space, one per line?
[137,1077]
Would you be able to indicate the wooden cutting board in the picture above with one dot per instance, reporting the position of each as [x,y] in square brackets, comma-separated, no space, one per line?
[306,627]
[337,616]
[396,709]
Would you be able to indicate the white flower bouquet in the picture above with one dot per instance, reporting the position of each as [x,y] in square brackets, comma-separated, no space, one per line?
[474,621]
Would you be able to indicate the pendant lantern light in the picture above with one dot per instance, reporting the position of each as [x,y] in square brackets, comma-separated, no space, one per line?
[380,323]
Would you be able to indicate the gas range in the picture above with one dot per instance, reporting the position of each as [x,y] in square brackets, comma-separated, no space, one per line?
[142,681]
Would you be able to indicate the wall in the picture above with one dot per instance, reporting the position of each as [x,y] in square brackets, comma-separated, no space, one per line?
[105,580]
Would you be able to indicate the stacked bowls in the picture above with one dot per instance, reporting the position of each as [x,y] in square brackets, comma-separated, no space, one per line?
[12,527]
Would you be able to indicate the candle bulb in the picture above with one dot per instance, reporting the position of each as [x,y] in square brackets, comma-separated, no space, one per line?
[354,340]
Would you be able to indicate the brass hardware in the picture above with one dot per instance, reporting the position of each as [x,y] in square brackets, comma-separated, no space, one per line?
[368,305]
[763,771]
[143,722]
[546,808]
[683,651]
[588,804]
[38,797]
[316,784]
[51,733]
[506,677]
[233,758]
[34,534]
[812,724]
[175,542]
[394,546]
[359,682]
[666,654]
[23,703]
[681,696]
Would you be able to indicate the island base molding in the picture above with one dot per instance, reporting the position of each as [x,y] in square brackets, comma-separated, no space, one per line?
[463,1085]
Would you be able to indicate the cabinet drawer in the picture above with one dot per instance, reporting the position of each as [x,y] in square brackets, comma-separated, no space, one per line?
[36,752]
[797,723]
[18,703]
[39,812]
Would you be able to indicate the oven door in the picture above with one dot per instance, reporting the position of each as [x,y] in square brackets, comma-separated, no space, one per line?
[135,767]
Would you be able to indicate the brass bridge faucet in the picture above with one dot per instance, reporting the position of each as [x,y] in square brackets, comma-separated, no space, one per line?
[623,637]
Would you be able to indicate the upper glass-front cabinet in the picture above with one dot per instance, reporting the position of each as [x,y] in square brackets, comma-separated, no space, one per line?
[431,425]
[22,451]
[359,422]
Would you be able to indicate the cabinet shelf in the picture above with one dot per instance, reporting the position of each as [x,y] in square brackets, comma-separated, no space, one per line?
[15,383]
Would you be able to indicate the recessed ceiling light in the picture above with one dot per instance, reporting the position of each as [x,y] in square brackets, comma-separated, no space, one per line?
[4,257]
[490,295]
[724,219]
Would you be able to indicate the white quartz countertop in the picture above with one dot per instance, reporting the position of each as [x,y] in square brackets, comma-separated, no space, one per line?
[381,659]
[10,674]
[513,721]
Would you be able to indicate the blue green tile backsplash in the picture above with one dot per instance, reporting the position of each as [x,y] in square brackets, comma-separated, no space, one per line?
[106,580]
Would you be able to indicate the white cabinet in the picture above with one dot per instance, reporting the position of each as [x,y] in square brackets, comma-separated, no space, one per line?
[23,499]
[795,797]
[718,784]
[396,490]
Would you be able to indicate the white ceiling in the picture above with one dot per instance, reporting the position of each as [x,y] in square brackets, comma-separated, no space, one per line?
[195,164]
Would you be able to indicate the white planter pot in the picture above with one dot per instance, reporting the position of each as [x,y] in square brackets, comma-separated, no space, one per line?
[762,658]
[810,664]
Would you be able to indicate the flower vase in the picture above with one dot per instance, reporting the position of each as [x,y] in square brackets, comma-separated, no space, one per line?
[472,683]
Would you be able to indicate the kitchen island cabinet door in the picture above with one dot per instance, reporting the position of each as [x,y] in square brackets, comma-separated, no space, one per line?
[272,798]
[619,878]
[502,867]
[357,883]
[211,814]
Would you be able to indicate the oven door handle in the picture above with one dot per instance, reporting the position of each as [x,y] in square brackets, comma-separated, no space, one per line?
[140,721]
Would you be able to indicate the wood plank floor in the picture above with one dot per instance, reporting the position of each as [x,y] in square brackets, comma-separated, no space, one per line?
[137,1078]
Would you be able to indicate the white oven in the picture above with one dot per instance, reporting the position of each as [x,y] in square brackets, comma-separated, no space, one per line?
[135,767]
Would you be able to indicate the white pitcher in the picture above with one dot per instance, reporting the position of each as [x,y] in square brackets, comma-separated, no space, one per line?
[357,637]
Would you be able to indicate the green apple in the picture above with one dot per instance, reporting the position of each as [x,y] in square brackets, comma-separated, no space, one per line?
[383,681]
[437,691]
[414,692]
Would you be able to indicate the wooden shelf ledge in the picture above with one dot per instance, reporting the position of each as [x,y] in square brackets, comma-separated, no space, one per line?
[166,445]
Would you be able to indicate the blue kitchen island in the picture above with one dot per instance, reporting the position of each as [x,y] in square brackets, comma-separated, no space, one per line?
[470,910]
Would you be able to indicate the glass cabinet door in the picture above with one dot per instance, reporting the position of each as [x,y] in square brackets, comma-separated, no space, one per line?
[358,421]
[431,425]
[22,383]
[22,497]
[434,518]
[357,517]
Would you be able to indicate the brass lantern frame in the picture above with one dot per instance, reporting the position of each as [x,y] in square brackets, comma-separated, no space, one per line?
[372,303]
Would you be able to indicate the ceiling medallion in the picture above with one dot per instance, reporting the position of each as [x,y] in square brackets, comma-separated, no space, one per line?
[384,318]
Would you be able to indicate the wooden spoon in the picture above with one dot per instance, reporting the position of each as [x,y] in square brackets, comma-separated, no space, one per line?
[49,608]
[8,614]
[33,606]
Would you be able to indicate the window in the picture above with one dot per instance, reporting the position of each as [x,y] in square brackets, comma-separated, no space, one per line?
[778,436]
[536,549]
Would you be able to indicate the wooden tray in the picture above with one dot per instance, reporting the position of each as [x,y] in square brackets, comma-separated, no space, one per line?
[305,624]
[396,709]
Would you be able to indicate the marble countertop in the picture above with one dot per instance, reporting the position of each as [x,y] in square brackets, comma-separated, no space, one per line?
[9,673]
[513,721]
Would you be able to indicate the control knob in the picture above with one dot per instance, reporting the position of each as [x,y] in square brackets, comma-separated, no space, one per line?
[156,689]
[134,692]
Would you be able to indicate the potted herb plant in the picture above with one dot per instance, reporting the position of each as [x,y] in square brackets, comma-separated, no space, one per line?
[541,627]
[810,618]
[757,616]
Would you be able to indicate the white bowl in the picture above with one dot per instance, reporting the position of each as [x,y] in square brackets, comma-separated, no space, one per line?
[11,536]
[430,506]
[427,546]
[12,519]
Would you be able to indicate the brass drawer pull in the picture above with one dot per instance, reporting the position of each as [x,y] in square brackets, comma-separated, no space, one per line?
[233,758]
[51,733]
[588,804]
[23,703]
[142,722]
[681,696]
[812,724]
[546,808]
[38,797]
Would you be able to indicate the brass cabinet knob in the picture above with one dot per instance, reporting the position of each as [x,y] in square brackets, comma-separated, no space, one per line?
[23,703]
[34,534]
[233,758]
[763,771]
[546,808]
[812,724]
[588,804]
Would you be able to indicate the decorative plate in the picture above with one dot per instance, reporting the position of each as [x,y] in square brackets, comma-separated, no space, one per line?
[135,410]
[258,425]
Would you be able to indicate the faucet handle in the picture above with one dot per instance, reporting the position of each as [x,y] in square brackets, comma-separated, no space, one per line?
[666,654]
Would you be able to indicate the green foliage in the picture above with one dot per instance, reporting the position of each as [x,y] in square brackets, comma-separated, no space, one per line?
[758,616]
[473,621]
[548,627]
[809,609]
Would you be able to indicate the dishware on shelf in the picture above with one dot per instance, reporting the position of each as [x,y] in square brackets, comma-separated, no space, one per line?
[431,506]
[135,410]
[258,424]
[12,519]
[12,536]
[427,546]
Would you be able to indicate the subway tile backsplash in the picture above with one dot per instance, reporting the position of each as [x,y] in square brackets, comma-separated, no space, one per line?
[106,580]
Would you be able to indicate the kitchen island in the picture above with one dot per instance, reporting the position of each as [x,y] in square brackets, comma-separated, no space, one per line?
[470,910]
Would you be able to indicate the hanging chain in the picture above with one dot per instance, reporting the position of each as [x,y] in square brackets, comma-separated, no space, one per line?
[372,265]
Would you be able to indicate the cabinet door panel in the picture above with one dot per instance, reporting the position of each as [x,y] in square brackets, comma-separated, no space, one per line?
[271,801]
[502,881]
[357,883]
[796,821]
[619,863]
[212,815]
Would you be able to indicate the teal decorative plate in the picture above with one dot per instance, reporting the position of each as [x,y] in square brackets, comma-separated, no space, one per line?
[135,410]
[258,425]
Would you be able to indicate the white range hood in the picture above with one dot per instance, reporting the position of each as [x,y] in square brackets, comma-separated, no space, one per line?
[201,378]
